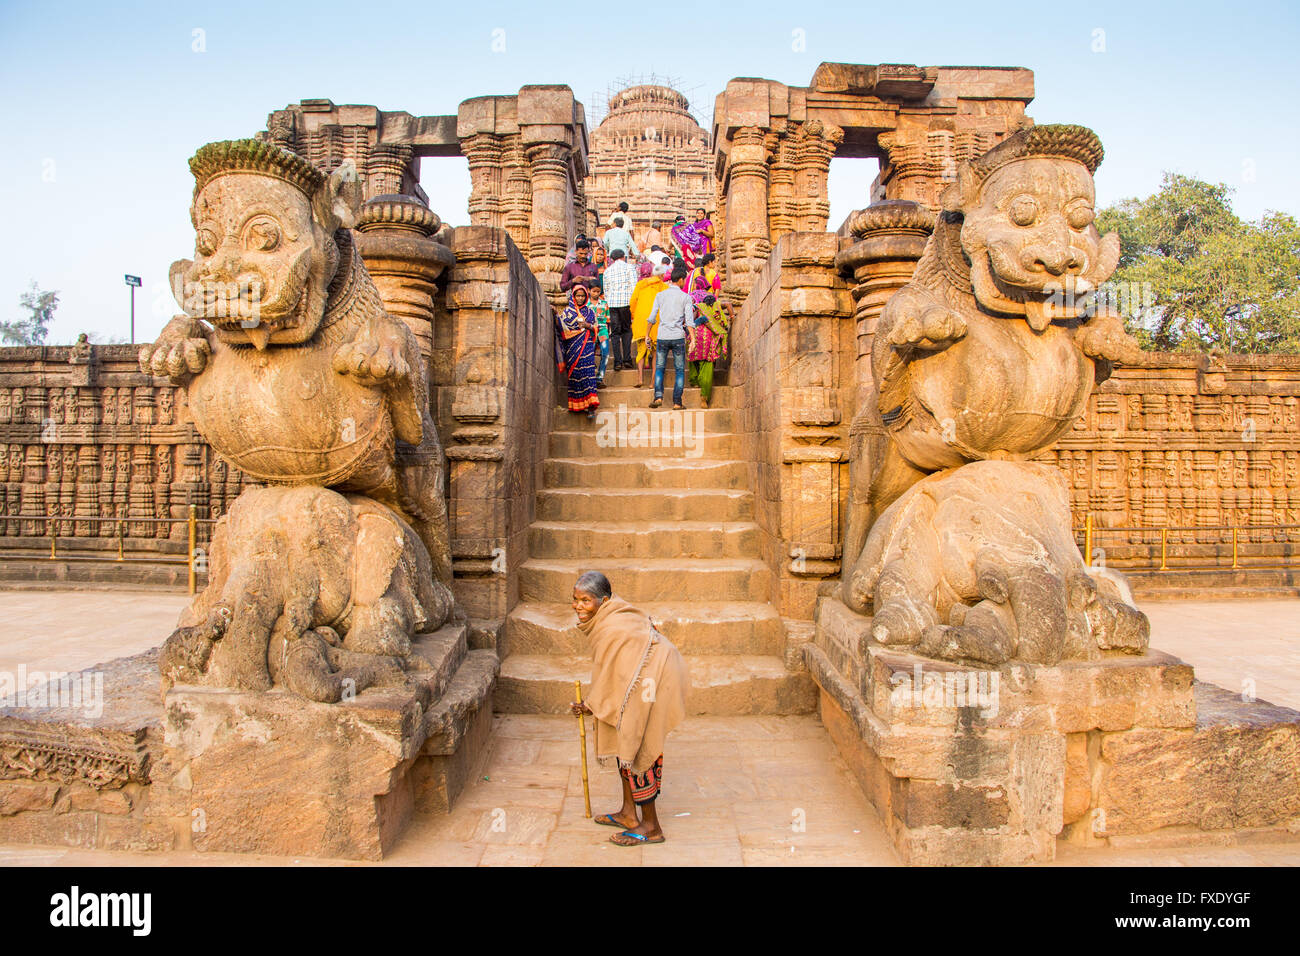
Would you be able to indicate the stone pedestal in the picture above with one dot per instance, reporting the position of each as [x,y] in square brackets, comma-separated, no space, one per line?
[216,770]
[274,773]
[969,766]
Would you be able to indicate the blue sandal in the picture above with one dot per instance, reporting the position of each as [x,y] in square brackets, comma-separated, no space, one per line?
[638,838]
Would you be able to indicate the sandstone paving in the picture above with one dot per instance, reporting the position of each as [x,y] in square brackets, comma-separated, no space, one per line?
[732,784]
[1233,643]
[752,791]
[70,630]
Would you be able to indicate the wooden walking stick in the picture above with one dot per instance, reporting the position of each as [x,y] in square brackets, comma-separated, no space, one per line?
[582,734]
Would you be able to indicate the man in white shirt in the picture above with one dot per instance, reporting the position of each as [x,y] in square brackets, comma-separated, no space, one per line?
[673,312]
[620,282]
[621,210]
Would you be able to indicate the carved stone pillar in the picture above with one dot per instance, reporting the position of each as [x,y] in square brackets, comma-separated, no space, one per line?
[390,170]
[748,245]
[33,491]
[782,146]
[141,491]
[816,147]
[485,153]
[394,236]
[890,239]
[551,222]
[921,163]
[518,192]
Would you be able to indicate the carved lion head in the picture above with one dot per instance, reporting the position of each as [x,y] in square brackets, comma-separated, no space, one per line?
[1027,226]
[264,248]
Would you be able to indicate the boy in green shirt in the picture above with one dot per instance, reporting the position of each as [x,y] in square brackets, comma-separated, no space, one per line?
[601,308]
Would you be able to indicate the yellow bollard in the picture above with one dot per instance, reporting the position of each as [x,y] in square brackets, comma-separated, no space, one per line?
[1234,549]
[1087,541]
[193,529]
[1164,542]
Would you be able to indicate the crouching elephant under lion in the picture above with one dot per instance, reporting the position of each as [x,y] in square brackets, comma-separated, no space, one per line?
[977,564]
[311,590]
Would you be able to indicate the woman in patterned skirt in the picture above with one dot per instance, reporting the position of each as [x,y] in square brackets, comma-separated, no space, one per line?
[638,692]
[578,328]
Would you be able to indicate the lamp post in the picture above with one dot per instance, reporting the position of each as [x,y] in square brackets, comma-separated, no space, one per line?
[134,283]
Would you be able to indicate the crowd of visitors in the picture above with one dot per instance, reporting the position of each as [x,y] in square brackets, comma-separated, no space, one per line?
[659,298]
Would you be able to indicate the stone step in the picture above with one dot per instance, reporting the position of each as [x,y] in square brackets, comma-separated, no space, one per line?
[643,539]
[634,397]
[627,378]
[651,579]
[624,423]
[649,473]
[641,504]
[703,627]
[728,685]
[570,441]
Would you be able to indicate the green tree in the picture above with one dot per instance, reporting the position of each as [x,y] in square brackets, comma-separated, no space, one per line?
[33,329]
[1194,277]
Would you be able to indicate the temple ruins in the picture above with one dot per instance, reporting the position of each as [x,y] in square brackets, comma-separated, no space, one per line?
[774,500]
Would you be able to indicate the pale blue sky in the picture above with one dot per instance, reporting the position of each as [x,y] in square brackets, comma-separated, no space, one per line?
[103,104]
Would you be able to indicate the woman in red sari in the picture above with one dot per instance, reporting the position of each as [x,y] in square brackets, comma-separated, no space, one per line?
[578,328]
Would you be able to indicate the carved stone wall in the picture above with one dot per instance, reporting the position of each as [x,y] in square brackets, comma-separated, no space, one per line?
[493,374]
[793,349]
[85,435]
[1186,442]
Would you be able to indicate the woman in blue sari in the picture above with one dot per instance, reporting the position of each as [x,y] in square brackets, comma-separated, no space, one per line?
[578,330]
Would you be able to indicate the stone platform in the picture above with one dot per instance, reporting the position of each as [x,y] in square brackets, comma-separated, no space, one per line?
[993,766]
[218,770]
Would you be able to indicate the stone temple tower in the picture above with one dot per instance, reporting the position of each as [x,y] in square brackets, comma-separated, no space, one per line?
[650,153]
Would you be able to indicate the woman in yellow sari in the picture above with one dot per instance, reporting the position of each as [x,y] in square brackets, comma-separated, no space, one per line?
[638,691]
[642,304]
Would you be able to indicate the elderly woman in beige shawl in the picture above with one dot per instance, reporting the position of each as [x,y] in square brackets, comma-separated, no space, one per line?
[638,694]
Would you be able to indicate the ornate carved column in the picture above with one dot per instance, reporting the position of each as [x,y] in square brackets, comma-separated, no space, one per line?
[518,192]
[485,153]
[816,144]
[551,222]
[390,170]
[782,147]
[921,163]
[890,239]
[748,246]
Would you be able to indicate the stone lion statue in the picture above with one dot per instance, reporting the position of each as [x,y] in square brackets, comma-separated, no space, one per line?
[295,373]
[991,352]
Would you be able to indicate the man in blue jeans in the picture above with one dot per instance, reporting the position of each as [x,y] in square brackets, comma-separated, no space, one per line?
[673,312]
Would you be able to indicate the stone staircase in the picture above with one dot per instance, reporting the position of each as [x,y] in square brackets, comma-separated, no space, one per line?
[657,500]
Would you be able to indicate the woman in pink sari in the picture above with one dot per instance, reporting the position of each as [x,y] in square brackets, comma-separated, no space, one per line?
[694,240]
